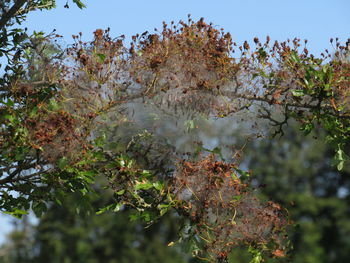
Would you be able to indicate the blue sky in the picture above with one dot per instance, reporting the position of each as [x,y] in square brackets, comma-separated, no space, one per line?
[315,20]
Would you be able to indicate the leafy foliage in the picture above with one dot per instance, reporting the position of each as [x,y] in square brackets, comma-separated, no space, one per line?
[56,105]
[224,212]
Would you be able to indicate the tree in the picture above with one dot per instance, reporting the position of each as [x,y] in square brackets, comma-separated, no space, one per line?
[315,193]
[56,120]
[15,41]
[64,236]
[21,50]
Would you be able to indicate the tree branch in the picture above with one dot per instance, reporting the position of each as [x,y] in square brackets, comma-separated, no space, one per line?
[11,13]
[293,104]
[20,168]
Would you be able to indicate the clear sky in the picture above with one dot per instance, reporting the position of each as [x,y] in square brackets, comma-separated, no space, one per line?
[315,20]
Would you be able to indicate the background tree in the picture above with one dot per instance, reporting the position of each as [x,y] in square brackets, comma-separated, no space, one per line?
[314,192]
[64,236]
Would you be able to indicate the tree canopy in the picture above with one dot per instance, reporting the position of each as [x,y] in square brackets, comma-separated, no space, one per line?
[66,117]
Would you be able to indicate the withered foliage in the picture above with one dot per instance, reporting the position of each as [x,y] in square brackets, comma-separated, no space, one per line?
[97,80]
[190,67]
[57,109]
[224,211]
[341,82]
[56,134]
[184,65]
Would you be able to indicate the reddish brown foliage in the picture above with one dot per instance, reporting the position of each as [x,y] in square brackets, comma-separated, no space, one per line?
[225,212]
[183,63]
[55,133]
[342,86]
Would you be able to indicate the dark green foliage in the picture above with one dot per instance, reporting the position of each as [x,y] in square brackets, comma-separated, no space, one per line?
[64,236]
[296,171]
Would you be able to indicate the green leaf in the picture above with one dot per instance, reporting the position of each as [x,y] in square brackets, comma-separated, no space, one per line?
[242,173]
[121,192]
[307,128]
[121,162]
[189,125]
[39,208]
[88,176]
[147,216]
[100,140]
[62,163]
[217,151]
[158,186]
[257,256]
[143,185]
[134,216]
[262,54]
[79,4]
[58,201]
[104,209]
[340,157]
[11,118]
[298,93]
[295,57]
[53,105]
[236,198]
[340,165]
[118,207]
[146,174]
[47,4]
[33,112]
[340,154]
[18,213]
[163,208]
[9,103]
[234,176]
[102,57]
